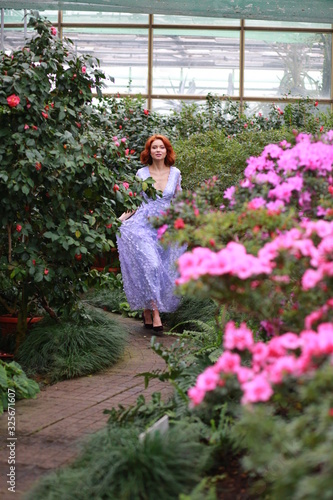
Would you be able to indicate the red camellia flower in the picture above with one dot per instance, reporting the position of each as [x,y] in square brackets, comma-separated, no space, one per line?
[321,128]
[115,188]
[46,272]
[330,412]
[54,31]
[18,228]
[47,107]
[38,166]
[120,126]
[316,103]
[13,100]
[34,127]
[28,106]
[146,112]
[179,224]
[132,151]
[84,69]
[108,226]
[26,127]
[78,124]
[78,256]
[34,262]
[130,193]
[330,190]
[45,115]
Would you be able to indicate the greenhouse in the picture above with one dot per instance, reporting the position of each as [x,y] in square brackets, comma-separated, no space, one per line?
[166,237]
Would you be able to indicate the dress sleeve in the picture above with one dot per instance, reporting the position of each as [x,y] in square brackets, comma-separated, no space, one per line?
[139,173]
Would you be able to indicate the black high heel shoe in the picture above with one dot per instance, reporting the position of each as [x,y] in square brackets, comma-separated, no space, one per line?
[158,329]
[149,326]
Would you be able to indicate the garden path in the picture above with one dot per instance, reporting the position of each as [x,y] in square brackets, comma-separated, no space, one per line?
[49,428]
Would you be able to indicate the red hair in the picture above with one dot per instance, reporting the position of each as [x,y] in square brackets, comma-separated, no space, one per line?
[146,158]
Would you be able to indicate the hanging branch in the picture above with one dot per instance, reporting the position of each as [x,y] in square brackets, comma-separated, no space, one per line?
[9,231]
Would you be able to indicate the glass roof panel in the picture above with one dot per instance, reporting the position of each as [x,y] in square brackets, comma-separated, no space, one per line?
[320,11]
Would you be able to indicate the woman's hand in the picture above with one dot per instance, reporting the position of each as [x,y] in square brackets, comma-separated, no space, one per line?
[126,215]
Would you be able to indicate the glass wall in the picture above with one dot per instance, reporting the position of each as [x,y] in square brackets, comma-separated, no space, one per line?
[122,53]
[171,59]
[277,64]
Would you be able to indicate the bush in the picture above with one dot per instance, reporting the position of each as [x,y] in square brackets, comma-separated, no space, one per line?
[291,449]
[117,465]
[213,153]
[73,348]
[14,384]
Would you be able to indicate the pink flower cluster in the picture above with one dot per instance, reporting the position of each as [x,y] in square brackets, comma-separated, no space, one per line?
[233,260]
[287,355]
[288,173]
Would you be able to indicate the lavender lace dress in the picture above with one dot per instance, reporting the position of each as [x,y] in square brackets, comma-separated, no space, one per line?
[148,269]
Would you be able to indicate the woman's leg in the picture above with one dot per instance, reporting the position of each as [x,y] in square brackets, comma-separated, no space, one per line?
[147,316]
[156,318]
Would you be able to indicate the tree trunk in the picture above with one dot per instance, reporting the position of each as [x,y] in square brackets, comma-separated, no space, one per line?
[22,320]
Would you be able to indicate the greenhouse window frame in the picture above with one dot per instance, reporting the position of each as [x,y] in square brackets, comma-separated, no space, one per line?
[151,27]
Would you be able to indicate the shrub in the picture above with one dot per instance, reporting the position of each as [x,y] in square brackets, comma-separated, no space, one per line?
[213,153]
[291,448]
[14,384]
[117,465]
[73,348]
[61,179]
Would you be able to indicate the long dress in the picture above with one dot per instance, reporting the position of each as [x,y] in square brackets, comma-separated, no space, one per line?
[148,269]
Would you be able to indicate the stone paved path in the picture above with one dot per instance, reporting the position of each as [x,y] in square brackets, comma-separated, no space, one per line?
[50,427]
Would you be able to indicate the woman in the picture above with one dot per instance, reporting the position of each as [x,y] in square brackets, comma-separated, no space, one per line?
[148,269]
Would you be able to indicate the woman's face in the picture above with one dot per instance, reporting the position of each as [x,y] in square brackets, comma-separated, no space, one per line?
[158,150]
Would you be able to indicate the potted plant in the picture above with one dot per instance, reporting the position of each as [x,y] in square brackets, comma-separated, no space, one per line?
[59,198]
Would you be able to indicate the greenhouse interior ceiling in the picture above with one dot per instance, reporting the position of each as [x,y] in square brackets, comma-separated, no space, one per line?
[320,11]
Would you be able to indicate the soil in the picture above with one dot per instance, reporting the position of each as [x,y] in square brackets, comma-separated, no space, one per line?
[234,483]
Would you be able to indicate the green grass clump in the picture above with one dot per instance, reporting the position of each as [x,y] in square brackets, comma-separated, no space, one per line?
[109,300]
[191,309]
[73,348]
[117,465]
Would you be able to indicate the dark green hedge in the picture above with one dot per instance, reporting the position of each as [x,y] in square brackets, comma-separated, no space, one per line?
[213,153]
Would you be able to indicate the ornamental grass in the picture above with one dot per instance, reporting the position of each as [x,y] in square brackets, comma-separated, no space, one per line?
[116,464]
[73,348]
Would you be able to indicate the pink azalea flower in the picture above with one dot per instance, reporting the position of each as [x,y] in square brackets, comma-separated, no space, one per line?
[208,380]
[161,230]
[311,278]
[229,193]
[325,338]
[256,203]
[228,363]
[237,338]
[281,367]
[257,389]
[196,395]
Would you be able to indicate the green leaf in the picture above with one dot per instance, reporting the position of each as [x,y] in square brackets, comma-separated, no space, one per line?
[3,377]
